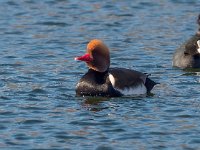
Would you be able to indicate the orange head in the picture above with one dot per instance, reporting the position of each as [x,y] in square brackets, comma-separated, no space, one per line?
[97,56]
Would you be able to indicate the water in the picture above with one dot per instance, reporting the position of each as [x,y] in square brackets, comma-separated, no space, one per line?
[38,74]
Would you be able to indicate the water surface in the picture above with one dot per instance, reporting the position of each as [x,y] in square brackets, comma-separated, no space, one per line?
[38,74]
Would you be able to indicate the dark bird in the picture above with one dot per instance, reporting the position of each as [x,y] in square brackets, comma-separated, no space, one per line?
[188,54]
[100,80]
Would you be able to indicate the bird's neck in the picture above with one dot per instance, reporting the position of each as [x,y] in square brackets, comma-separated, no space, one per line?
[97,72]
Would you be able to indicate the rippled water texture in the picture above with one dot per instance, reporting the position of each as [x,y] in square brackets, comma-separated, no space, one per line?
[38,74]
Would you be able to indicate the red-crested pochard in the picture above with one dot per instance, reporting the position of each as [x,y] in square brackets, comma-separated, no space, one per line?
[100,80]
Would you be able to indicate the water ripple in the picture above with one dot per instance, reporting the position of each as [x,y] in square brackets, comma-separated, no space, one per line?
[38,75]
[60,24]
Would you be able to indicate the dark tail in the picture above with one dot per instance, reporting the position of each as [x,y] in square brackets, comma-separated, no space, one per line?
[149,84]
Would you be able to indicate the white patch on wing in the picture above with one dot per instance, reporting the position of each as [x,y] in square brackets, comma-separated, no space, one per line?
[138,90]
[112,79]
[198,43]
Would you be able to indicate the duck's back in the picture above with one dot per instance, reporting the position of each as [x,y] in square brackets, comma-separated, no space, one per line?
[131,81]
[126,77]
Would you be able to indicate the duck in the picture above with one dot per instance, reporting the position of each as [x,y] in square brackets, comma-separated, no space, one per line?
[101,80]
[188,54]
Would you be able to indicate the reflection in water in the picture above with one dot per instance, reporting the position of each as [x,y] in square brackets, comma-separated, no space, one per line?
[94,103]
[191,71]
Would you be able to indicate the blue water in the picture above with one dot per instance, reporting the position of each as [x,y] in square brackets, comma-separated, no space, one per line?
[38,74]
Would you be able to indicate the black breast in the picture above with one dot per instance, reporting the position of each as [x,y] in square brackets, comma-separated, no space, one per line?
[95,83]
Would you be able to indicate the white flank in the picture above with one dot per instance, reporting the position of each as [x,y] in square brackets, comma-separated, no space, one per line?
[139,90]
[198,43]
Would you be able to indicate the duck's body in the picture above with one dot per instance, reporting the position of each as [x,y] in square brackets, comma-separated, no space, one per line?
[188,54]
[100,80]
[114,82]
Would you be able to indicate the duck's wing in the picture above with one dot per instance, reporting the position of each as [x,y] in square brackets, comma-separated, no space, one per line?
[127,78]
[128,81]
[131,81]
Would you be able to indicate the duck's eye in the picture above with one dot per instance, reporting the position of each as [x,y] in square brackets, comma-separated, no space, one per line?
[186,53]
